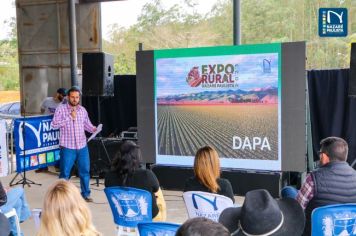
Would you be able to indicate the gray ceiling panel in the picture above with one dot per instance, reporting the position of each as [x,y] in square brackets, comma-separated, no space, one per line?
[43,41]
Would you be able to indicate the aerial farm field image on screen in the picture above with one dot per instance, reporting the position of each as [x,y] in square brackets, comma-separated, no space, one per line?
[230,102]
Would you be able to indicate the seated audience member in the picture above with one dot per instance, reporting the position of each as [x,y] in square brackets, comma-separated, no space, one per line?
[4,225]
[262,215]
[333,183]
[14,198]
[125,171]
[201,226]
[65,212]
[207,174]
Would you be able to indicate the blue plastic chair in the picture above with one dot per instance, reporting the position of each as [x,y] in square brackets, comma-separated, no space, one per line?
[334,220]
[129,207]
[157,229]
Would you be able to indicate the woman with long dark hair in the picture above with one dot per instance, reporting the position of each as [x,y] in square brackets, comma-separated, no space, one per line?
[207,174]
[126,171]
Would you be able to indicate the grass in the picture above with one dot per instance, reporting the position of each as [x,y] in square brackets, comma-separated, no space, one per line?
[9,96]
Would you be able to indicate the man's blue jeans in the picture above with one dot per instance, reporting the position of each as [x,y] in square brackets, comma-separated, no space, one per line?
[16,199]
[290,192]
[81,156]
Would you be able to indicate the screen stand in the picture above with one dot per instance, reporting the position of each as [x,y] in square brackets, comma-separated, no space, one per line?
[96,175]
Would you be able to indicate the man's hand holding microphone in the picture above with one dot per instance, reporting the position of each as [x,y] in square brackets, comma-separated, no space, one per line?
[73,114]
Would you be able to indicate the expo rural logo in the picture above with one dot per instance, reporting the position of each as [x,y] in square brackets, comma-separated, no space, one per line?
[213,76]
[333,22]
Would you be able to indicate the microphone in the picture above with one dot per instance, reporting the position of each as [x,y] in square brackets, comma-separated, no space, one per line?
[72,113]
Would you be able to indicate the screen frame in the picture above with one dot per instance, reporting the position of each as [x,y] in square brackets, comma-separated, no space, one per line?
[222,51]
[293,92]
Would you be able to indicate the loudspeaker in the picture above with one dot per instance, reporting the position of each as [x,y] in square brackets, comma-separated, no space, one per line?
[98,74]
[352,78]
[125,94]
[108,105]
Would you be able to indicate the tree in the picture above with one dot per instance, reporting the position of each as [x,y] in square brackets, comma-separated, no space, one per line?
[262,21]
[9,67]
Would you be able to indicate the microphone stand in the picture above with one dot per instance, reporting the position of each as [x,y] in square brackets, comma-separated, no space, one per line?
[96,176]
[24,181]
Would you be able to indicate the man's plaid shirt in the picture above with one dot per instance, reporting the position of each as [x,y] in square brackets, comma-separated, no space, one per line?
[306,192]
[72,132]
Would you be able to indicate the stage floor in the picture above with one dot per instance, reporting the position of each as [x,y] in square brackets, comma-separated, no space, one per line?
[100,209]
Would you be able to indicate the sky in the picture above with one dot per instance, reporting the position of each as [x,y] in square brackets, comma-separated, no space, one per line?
[124,13]
[7,10]
[172,72]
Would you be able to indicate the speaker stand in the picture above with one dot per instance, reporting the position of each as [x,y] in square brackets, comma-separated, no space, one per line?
[96,175]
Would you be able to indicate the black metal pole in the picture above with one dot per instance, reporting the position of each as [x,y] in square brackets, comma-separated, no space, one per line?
[72,42]
[237,22]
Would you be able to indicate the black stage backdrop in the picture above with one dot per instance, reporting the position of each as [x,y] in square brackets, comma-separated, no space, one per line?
[106,105]
[332,112]
[117,113]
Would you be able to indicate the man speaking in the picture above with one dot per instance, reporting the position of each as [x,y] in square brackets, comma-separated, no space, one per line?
[72,120]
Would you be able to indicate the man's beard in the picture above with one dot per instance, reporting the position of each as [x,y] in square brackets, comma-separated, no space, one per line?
[73,104]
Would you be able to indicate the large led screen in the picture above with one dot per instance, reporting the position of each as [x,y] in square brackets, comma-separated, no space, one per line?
[225,97]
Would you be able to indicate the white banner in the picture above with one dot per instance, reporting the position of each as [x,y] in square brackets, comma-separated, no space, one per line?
[4,165]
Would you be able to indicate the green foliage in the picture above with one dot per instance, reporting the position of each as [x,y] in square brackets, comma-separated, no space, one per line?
[296,20]
[9,68]
[262,21]
[177,26]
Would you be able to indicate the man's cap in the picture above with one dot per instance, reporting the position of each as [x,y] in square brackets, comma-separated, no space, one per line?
[74,88]
[262,215]
[62,91]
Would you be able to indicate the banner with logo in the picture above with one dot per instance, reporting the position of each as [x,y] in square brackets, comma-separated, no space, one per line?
[226,97]
[4,162]
[36,143]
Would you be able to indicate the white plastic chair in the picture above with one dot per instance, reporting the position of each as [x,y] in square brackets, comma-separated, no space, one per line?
[12,213]
[36,215]
[203,204]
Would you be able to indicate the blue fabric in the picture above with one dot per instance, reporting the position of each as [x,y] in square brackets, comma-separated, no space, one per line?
[16,199]
[81,157]
[289,192]
[31,137]
[129,206]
